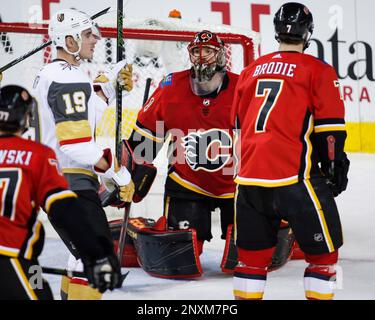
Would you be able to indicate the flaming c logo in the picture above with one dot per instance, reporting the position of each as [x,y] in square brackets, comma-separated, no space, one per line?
[199,147]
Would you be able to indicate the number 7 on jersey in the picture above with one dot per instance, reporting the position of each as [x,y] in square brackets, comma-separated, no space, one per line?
[270,89]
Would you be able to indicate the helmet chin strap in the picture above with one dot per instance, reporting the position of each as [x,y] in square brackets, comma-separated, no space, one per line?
[75,54]
[201,88]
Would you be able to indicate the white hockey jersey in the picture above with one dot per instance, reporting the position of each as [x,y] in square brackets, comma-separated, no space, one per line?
[69,110]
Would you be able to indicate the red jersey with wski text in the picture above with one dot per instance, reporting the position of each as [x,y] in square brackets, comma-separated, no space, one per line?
[29,179]
[281,100]
[201,131]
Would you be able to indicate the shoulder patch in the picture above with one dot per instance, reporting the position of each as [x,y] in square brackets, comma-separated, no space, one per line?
[167,81]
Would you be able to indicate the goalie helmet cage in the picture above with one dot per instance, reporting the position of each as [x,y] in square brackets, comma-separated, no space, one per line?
[155,48]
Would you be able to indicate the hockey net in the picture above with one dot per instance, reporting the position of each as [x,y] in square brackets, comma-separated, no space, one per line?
[154,47]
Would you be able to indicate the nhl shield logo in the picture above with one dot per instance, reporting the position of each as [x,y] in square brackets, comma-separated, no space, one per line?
[318,237]
[60,17]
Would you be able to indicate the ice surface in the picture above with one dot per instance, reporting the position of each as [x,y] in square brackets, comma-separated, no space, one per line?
[357,257]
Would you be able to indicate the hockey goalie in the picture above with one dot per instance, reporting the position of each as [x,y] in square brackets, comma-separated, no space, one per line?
[192,106]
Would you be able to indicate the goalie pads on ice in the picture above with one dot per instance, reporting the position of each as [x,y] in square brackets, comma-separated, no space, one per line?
[229,260]
[165,253]
[129,257]
[143,176]
[281,255]
[283,250]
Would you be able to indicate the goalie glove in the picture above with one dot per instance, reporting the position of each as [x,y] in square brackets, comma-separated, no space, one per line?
[107,81]
[116,178]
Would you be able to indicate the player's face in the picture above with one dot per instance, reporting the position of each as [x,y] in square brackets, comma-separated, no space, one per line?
[203,55]
[89,40]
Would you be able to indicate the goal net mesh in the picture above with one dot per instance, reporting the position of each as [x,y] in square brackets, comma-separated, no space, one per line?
[154,47]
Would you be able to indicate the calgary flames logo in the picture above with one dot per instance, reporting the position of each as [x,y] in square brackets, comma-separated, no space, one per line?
[207,150]
[206,36]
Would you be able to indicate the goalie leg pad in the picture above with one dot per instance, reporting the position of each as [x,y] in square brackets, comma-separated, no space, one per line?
[281,255]
[164,253]
[284,246]
[129,257]
[229,260]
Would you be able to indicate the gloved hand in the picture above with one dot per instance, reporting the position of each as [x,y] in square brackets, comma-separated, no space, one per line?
[104,273]
[116,178]
[337,175]
[108,80]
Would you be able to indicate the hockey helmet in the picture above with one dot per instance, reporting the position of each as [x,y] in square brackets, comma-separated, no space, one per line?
[293,23]
[206,65]
[15,103]
[70,22]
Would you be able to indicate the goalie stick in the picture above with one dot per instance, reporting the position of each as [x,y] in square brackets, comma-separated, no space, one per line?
[42,46]
[147,90]
[129,165]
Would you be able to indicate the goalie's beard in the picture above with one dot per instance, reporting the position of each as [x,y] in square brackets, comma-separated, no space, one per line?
[203,83]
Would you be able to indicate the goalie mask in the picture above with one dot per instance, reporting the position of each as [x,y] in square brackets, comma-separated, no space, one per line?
[293,24]
[71,22]
[207,55]
[15,104]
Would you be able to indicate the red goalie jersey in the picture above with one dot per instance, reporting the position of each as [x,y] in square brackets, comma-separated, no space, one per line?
[201,131]
[29,179]
[282,102]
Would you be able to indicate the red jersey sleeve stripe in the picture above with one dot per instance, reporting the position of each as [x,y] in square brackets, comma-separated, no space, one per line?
[147,134]
[329,127]
[74,141]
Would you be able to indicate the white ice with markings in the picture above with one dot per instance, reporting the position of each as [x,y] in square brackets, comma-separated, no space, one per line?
[356,265]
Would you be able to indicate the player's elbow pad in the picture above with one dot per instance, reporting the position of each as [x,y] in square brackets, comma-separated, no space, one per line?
[67,216]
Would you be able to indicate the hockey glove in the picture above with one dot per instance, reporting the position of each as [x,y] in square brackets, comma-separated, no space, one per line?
[104,273]
[336,173]
[108,80]
[116,178]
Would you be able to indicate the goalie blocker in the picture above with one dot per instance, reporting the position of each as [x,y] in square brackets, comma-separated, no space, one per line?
[143,176]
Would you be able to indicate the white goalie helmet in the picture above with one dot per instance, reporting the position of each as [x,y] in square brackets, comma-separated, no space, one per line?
[70,22]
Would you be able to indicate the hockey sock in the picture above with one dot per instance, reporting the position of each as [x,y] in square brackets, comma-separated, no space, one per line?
[320,276]
[250,274]
[64,287]
[79,289]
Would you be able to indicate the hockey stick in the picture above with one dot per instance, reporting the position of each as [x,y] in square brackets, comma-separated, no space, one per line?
[147,90]
[331,153]
[120,52]
[79,274]
[124,226]
[42,46]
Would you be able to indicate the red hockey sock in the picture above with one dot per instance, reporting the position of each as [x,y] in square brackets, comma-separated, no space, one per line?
[250,274]
[320,276]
